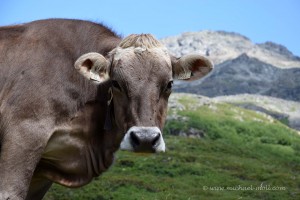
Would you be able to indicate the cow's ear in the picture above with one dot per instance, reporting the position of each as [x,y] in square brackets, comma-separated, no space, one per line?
[93,66]
[191,67]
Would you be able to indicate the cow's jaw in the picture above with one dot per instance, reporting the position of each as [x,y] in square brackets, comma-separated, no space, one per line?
[143,139]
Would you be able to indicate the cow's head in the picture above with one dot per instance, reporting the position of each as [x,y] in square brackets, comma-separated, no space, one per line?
[141,73]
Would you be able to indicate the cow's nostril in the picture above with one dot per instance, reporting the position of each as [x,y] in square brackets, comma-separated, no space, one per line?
[155,139]
[134,139]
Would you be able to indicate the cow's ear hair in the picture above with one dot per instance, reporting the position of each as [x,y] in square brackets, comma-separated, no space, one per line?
[190,67]
[93,66]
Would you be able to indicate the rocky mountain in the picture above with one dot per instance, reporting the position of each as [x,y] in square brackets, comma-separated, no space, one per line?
[247,75]
[221,46]
[240,65]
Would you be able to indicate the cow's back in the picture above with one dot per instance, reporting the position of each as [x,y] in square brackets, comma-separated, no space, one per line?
[37,77]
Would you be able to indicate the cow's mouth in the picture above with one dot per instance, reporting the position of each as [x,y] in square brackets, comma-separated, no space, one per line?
[143,140]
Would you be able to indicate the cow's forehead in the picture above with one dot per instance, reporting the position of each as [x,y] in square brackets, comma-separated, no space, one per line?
[132,65]
[143,46]
[157,54]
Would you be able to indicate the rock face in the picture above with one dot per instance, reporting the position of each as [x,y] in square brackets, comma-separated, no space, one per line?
[247,75]
[240,65]
[221,46]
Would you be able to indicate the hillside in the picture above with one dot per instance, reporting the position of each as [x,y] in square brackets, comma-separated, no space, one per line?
[285,111]
[215,150]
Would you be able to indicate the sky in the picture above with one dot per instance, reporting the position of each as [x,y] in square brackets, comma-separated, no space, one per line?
[259,20]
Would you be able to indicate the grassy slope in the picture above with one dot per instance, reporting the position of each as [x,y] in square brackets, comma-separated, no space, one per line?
[235,152]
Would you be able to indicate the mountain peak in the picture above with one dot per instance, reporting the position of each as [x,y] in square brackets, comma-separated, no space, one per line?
[232,34]
[243,56]
[278,48]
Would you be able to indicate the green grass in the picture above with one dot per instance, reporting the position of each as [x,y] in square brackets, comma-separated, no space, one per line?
[229,162]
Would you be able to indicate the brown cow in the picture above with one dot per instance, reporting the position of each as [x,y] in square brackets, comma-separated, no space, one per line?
[63,124]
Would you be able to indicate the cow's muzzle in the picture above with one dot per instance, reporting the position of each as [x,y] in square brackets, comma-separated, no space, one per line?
[143,139]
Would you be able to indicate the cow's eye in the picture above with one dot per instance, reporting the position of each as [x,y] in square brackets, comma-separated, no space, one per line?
[169,86]
[116,85]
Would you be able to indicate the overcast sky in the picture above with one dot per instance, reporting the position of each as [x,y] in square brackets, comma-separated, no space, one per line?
[259,20]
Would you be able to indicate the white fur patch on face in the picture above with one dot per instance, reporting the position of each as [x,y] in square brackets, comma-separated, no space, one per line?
[127,143]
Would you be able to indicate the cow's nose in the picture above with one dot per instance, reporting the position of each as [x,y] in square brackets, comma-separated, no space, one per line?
[144,140]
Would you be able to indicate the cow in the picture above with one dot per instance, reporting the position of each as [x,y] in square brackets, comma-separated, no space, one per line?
[72,93]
